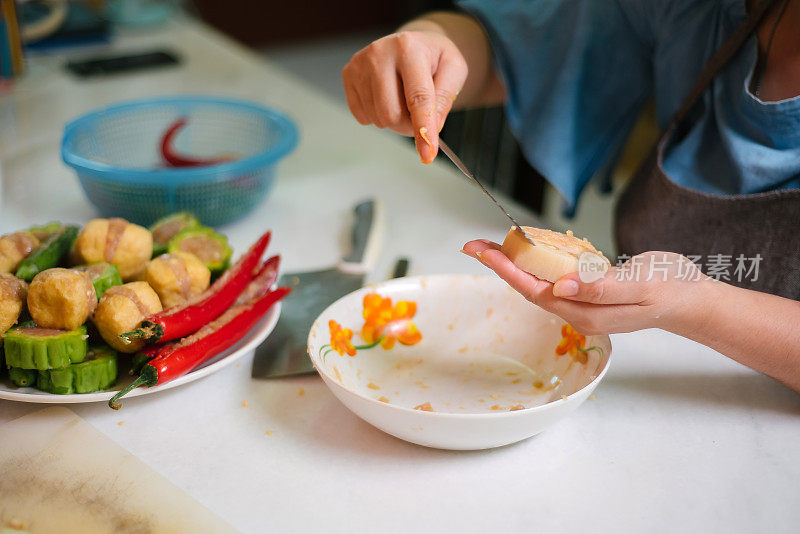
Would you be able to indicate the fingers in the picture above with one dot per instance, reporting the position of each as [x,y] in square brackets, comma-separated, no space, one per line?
[407,82]
[354,103]
[608,290]
[451,73]
[389,111]
[527,285]
[415,69]
[587,318]
[479,245]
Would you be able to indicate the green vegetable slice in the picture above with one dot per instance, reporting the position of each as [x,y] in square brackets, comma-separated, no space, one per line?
[97,372]
[165,229]
[22,377]
[104,276]
[28,346]
[212,248]
[48,253]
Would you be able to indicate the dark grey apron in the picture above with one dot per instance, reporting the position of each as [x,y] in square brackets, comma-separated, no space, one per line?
[655,213]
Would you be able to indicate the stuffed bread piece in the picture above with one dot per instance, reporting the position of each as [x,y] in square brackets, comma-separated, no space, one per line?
[554,255]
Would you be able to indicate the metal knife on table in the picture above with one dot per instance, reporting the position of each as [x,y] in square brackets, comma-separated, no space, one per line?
[283,353]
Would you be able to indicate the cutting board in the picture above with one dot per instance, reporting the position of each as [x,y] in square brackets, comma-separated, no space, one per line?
[59,474]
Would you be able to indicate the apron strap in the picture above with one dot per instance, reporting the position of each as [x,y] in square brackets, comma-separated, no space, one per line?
[720,58]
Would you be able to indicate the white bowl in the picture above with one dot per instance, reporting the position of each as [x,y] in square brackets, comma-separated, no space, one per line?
[486,363]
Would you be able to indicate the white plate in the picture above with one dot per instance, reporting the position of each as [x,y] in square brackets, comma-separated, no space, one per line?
[486,364]
[244,347]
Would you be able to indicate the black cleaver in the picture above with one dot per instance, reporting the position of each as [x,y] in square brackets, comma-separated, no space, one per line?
[283,353]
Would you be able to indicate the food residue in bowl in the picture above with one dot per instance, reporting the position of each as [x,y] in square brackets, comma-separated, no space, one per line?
[460,384]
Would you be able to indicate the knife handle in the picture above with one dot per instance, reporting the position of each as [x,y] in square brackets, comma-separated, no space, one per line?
[367,238]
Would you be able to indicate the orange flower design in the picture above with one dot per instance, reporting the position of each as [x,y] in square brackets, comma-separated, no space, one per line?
[388,323]
[572,343]
[341,339]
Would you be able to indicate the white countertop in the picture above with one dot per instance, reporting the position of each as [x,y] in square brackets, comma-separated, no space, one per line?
[679,437]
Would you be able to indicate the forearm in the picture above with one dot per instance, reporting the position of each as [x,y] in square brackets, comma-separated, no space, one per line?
[759,330]
[482,86]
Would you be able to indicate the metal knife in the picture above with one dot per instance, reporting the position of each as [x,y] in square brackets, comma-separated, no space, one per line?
[463,168]
[283,353]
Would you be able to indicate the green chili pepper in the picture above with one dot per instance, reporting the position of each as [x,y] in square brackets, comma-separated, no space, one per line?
[104,276]
[48,253]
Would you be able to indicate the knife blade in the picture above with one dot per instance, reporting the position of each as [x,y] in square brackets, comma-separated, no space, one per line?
[283,353]
[463,168]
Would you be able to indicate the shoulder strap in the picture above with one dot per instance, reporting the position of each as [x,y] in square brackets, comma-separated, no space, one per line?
[721,57]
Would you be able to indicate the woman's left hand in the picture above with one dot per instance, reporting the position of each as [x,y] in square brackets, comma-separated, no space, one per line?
[654,289]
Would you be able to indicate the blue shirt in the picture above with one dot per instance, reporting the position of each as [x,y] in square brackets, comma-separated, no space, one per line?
[578,72]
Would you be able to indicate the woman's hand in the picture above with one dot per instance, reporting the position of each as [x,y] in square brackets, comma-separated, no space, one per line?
[654,289]
[666,290]
[406,81]
[409,80]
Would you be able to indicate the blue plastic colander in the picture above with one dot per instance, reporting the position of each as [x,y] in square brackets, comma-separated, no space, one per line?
[116,153]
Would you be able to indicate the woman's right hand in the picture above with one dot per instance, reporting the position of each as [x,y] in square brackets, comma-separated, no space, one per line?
[406,81]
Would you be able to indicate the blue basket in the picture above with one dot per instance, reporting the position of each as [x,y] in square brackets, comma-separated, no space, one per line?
[116,153]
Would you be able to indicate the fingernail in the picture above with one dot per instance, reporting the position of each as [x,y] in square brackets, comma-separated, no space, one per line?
[565,288]
[425,150]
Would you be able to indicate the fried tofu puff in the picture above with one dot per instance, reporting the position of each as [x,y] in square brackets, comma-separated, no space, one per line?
[62,299]
[116,241]
[14,248]
[177,277]
[13,293]
[121,310]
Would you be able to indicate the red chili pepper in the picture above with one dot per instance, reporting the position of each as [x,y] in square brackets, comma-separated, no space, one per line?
[261,283]
[177,360]
[177,160]
[144,356]
[179,321]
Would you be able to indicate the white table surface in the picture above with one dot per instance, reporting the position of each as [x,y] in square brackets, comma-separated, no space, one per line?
[678,439]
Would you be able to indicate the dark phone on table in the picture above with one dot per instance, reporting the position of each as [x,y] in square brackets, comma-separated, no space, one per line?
[110,65]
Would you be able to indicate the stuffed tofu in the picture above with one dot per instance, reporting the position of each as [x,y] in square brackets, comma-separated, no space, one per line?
[14,248]
[177,277]
[121,310]
[116,241]
[61,299]
[13,293]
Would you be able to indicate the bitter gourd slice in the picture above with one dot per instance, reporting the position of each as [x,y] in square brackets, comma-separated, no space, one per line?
[48,253]
[168,227]
[212,248]
[104,276]
[29,346]
[98,371]
[22,377]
